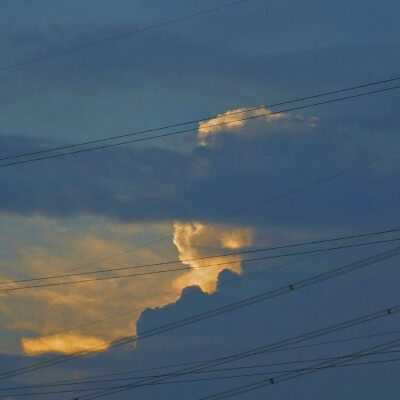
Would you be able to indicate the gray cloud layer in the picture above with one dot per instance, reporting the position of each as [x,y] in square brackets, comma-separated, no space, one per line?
[142,184]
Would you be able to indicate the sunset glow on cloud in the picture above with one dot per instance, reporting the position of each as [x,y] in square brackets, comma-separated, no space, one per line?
[170,171]
[195,240]
[235,120]
[63,343]
[52,309]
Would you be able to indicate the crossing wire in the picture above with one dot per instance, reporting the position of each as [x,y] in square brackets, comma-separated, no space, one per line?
[106,278]
[204,119]
[215,378]
[292,375]
[189,260]
[280,345]
[380,257]
[85,381]
[169,134]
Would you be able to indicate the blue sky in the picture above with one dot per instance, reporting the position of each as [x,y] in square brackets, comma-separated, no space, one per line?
[59,214]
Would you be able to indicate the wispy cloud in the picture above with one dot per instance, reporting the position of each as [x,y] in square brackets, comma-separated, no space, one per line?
[66,343]
[235,120]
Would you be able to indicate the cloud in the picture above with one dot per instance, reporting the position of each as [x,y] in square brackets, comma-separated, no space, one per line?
[235,120]
[195,240]
[237,238]
[144,185]
[62,343]
[46,311]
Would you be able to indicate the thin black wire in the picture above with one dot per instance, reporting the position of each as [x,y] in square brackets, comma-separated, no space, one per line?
[122,35]
[311,369]
[292,375]
[235,280]
[213,312]
[243,354]
[200,120]
[252,206]
[236,376]
[85,381]
[237,305]
[184,295]
[353,338]
[106,278]
[280,345]
[323,180]
[185,261]
[195,129]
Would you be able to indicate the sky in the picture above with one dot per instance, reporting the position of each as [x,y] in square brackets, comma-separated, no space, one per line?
[176,198]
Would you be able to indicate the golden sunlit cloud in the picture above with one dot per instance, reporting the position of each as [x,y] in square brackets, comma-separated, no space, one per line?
[235,120]
[237,238]
[195,240]
[48,310]
[63,343]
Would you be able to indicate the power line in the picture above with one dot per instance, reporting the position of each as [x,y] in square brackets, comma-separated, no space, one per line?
[222,217]
[34,160]
[255,205]
[13,289]
[84,381]
[193,363]
[185,261]
[195,129]
[351,88]
[320,181]
[276,346]
[213,378]
[122,35]
[252,206]
[213,312]
[291,375]
[183,295]
[308,369]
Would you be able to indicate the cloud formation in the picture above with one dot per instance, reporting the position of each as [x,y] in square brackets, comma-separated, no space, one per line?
[235,120]
[44,312]
[62,343]
[195,240]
